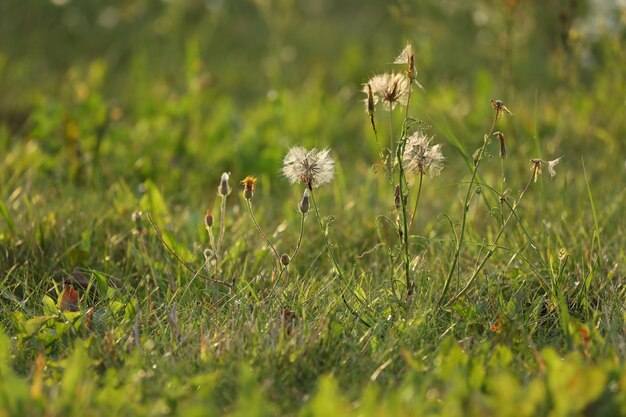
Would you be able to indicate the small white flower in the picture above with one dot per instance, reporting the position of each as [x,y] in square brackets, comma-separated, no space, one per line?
[313,167]
[420,157]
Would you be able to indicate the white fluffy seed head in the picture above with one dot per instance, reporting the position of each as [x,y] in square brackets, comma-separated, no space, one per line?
[421,157]
[313,168]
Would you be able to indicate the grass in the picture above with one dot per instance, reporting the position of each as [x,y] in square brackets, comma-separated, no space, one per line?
[148,114]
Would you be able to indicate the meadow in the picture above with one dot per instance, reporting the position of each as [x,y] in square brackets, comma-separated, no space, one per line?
[351,208]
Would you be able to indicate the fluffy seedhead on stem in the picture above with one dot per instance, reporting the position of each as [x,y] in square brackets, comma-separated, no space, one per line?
[313,167]
[390,89]
[421,157]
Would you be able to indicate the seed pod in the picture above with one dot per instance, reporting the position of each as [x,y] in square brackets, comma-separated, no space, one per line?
[284,259]
[208,219]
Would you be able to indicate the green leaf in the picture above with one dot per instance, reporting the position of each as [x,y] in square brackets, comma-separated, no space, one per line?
[49,306]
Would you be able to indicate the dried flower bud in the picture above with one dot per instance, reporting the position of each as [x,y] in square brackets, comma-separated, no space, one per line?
[535,167]
[208,219]
[304,203]
[499,107]
[224,189]
[284,259]
[500,137]
[249,184]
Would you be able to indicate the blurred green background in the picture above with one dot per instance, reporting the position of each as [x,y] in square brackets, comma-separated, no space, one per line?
[168,89]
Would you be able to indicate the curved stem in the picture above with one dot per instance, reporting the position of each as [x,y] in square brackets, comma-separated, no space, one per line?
[457,253]
[492,248]
[417,200]
[249,204]
[326,241]
[180,261]
[295,252]
[408,101]
[390,143]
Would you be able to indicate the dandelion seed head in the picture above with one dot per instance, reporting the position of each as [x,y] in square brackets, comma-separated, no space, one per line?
[421,157]
[313,168]
[391,89]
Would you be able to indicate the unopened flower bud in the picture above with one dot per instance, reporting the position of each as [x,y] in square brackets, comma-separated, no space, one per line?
[284,259]
[224,189]
[208,219]
[304,203]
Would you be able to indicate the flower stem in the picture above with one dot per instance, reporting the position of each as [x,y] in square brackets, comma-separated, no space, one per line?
[222,224]
[326,241]
[295,252]
[417,200]
[405,232]
[492,248]
[276,255]
[457,253]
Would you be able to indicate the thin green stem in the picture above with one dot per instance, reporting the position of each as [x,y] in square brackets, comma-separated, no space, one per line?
[222,224]
[391,147]
[295,252]
[213,248]
[405,235]
[468,194]
[326,241]
[417,200]
[249,204]
[492,247]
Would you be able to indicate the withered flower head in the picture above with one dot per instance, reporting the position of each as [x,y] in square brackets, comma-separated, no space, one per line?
[500,137]
[407,58]
[391,89]
[249,186]
[313,167]
[421,157]
[499,107]
[369,100]
[535,167]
